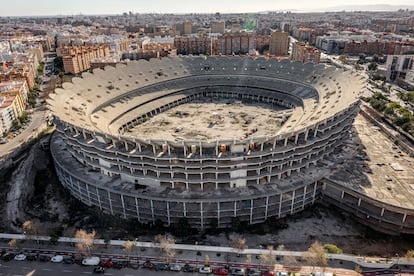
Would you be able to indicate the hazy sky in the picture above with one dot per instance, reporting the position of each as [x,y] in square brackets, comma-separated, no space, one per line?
[73,7]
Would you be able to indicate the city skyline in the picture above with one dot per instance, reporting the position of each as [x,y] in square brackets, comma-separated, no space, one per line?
[91,7]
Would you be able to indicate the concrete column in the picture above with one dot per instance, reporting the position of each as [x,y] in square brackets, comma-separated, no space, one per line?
[139,147]
[235,208]
[110,202]
[286,141]
[137,208]
[267,207]
[293,201]
[359,202]
[304,197]
[169,149]
[152,211]
[306,134]
[218,213]
[296,138]
[184,209]
[168,213]
[342,195]
[382,212]
[123,205]
[84,134]
[316,131]
[87,193]
[98,197]
[280,205]
[404,217]
[251,211]
[314,192]
[201,149]
[126,146]
[201,216]
[153,149]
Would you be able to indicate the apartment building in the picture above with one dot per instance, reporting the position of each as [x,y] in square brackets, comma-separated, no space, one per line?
[18,88]
[217,27]
[76,59]
[9,111]
[400,68]
[279,43]
[305,53]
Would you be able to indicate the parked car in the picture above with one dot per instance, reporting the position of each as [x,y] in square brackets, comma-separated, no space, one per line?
[32,257]
[20,257]
[108,263]
[189,268]
[237,271]
[268,273]
[57,259]
[118,264]
[91,261]
[99,269]
[175,267]
[220,271]
[253,272]
[148,265]
[68,260]
[161,266]
[44,258]
[8,256]
[205,270]
[281,273]
[133,265]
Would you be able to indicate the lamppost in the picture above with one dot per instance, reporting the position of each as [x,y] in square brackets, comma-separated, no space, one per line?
[398,263]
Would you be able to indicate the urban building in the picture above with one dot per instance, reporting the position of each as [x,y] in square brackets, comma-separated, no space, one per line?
[400,67]
[279,43]
[76,59]
[305,53]
[217,27]
[9,111]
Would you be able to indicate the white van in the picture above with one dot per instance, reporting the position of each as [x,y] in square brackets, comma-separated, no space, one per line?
[91,261]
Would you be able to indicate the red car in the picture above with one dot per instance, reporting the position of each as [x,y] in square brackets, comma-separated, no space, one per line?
[268,273]
[108,263]
[148,265]
[220,271]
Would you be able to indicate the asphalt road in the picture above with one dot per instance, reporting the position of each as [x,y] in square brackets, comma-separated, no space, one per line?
[36,268]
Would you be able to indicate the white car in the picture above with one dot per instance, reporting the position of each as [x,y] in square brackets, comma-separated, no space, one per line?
[57,259]
[91,261]
[175,267]
[205,270]
[20,257]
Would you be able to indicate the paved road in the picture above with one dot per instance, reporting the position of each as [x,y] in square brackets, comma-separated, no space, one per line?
[23,268]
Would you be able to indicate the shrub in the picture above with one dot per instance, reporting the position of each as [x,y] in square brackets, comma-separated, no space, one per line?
[332,249]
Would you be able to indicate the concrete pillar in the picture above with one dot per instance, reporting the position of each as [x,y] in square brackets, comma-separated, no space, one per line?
[280,205]
[359,202]
[110,202]
[98,197]
[184,209]
[293,201]
[153,149]
[251,211]
[218,213]
[382,212]
[201,149]
[296,138]
[152,211]
[304,197]
[137,209]
[404,217]
[139,147]
[168,213]
[235,209]
[342,195]
[123,205]
[126,145]
[306,134]
[267,207]
[201,216]
[286,141]
[314,192]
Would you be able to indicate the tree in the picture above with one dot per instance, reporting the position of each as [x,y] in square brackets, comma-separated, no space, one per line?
[268,259]
[238,245]
[316,255]
[29,229]
[410,254]
[332,248]
[12,243]
[166,245]
[129,247]
[85,241]
[248,260]
[372,66]
[206,260]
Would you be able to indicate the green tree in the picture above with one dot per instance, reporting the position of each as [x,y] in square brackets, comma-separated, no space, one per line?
[372,66]
[332,249]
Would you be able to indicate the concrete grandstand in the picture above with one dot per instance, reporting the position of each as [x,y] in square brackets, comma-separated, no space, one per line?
[107,155]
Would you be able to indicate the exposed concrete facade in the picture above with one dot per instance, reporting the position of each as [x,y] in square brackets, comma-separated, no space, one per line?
[205,181]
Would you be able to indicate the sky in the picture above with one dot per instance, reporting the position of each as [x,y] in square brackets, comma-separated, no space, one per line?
[76,7]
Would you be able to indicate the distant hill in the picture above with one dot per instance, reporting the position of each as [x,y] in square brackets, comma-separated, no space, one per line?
[378,7]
